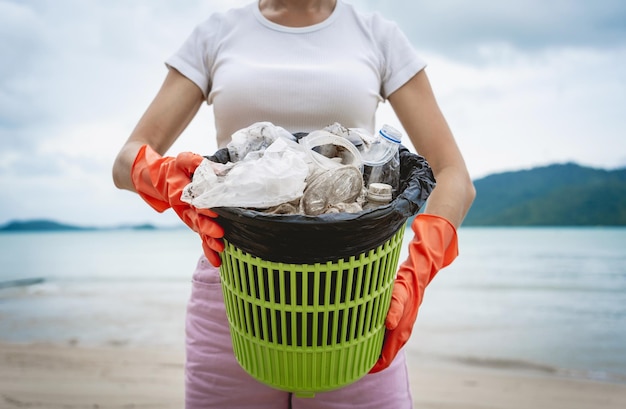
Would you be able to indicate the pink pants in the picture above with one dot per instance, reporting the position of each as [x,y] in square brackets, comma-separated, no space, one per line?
[214,378]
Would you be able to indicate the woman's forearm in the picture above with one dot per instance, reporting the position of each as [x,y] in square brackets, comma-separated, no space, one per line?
[176,103]
[452,196]
[123,164]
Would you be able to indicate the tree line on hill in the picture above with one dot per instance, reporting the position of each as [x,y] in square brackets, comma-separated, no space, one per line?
[51,225]
[555,195]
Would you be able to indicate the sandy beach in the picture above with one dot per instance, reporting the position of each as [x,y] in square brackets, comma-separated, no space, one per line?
[52,376]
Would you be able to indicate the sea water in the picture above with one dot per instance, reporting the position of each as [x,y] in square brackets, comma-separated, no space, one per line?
[552,299]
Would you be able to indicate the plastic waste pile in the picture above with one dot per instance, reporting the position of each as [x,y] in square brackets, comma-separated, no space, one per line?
[331,170]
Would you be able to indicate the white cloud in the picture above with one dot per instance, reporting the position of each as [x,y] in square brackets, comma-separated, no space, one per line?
[541,108]
[529,109]
[458,27]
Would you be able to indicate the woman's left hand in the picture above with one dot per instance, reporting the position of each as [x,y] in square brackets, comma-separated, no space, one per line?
[433,247]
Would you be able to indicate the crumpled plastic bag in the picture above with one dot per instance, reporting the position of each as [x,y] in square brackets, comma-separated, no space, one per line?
[277,176]
[254,140]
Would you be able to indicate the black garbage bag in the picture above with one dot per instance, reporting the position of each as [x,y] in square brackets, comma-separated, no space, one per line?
[302,239]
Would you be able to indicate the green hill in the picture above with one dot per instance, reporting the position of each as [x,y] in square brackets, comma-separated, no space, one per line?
[39,225]
[51,225]
[555,195]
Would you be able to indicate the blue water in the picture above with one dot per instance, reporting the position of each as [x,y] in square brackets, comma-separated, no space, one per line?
[552,299]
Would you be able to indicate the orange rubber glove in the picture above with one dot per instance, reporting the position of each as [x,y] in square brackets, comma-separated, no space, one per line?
[433,247]
[160,182]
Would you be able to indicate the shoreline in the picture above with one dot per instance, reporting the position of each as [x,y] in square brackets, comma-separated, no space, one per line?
[517,367]
[73,376]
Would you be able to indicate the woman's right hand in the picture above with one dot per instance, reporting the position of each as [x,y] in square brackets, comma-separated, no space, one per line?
[160,182]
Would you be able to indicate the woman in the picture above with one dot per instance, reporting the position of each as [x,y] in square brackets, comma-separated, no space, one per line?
[302,65]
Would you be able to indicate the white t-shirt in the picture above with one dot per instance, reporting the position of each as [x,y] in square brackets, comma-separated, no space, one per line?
[251,69]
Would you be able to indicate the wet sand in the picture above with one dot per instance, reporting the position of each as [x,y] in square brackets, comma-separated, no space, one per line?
[53,376]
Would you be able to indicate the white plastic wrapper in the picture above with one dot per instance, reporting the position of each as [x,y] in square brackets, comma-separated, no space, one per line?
[255,139]
[277,176]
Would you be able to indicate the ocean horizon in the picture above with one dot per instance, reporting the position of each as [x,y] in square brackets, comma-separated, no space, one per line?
[541,299]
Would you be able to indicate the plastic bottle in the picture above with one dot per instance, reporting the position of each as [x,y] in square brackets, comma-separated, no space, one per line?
[382,160]
[378,194]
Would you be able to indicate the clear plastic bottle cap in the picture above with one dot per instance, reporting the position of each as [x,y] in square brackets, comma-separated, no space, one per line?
[390,133]
[379,192]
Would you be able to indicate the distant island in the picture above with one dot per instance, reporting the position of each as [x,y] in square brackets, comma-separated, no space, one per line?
[51,225]
[555,195]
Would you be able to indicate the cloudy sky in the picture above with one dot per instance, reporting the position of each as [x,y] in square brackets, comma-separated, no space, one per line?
[523,83]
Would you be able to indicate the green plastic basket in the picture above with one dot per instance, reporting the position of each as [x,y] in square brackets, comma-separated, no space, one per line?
[307,328]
